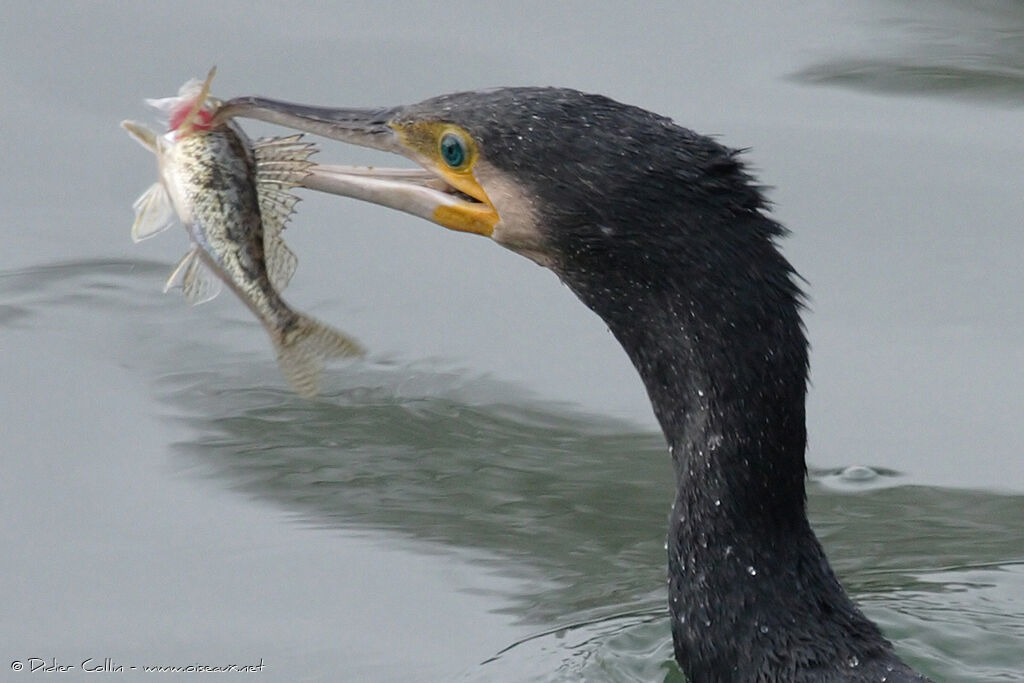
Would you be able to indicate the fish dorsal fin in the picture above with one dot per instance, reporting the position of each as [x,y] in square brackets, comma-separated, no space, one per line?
[197,281]
[276,207]
[154,213]
[281,164]
[283,161]
[188,124]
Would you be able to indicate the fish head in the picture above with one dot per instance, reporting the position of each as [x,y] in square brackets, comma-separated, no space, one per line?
[191,109]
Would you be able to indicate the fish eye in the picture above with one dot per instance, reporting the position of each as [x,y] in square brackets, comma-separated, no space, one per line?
[453,150]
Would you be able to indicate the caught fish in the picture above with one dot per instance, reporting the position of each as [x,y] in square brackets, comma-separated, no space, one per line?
[233,198]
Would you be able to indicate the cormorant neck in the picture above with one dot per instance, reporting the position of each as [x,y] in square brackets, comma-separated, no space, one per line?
[718,341]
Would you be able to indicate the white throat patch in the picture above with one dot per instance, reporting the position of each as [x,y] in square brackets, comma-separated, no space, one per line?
[518,227]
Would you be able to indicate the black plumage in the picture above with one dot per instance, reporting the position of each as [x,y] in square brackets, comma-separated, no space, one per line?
[663,233]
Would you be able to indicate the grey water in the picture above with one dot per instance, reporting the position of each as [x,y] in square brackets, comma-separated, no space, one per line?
[484,497]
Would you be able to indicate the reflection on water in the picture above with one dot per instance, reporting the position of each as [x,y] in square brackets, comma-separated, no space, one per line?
[577,504]
[630,647]
[574,506]
[940,47]
[976,605]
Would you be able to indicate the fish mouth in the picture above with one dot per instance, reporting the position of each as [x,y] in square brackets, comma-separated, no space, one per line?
[455,201]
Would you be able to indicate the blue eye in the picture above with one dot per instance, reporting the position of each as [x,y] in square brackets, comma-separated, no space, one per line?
[453,150]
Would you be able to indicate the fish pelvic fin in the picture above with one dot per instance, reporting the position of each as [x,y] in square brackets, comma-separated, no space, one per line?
[197,281]
[143,135]
[154,213]
[302,350]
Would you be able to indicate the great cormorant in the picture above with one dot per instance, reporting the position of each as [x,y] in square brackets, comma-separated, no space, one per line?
[665,235]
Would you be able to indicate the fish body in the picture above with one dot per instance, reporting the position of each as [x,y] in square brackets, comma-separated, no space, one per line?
[233,198]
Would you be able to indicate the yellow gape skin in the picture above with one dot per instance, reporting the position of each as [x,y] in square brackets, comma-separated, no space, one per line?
[424,140]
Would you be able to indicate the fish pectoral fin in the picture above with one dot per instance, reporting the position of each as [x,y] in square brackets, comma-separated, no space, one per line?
[143,135]
[281,261]
[154,213]
[301,353]
[197,281]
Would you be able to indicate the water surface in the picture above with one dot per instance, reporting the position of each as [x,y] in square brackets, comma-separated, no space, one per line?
[485,496]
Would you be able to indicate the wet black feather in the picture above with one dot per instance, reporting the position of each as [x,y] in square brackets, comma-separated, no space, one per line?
[665,235]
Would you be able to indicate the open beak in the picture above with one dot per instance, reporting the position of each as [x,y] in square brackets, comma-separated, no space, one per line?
[426,192]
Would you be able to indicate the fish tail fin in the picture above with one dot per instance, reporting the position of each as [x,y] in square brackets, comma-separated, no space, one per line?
[302,350]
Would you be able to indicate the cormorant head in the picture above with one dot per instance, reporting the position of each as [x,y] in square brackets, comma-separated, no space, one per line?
[657,229]
[574,181]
